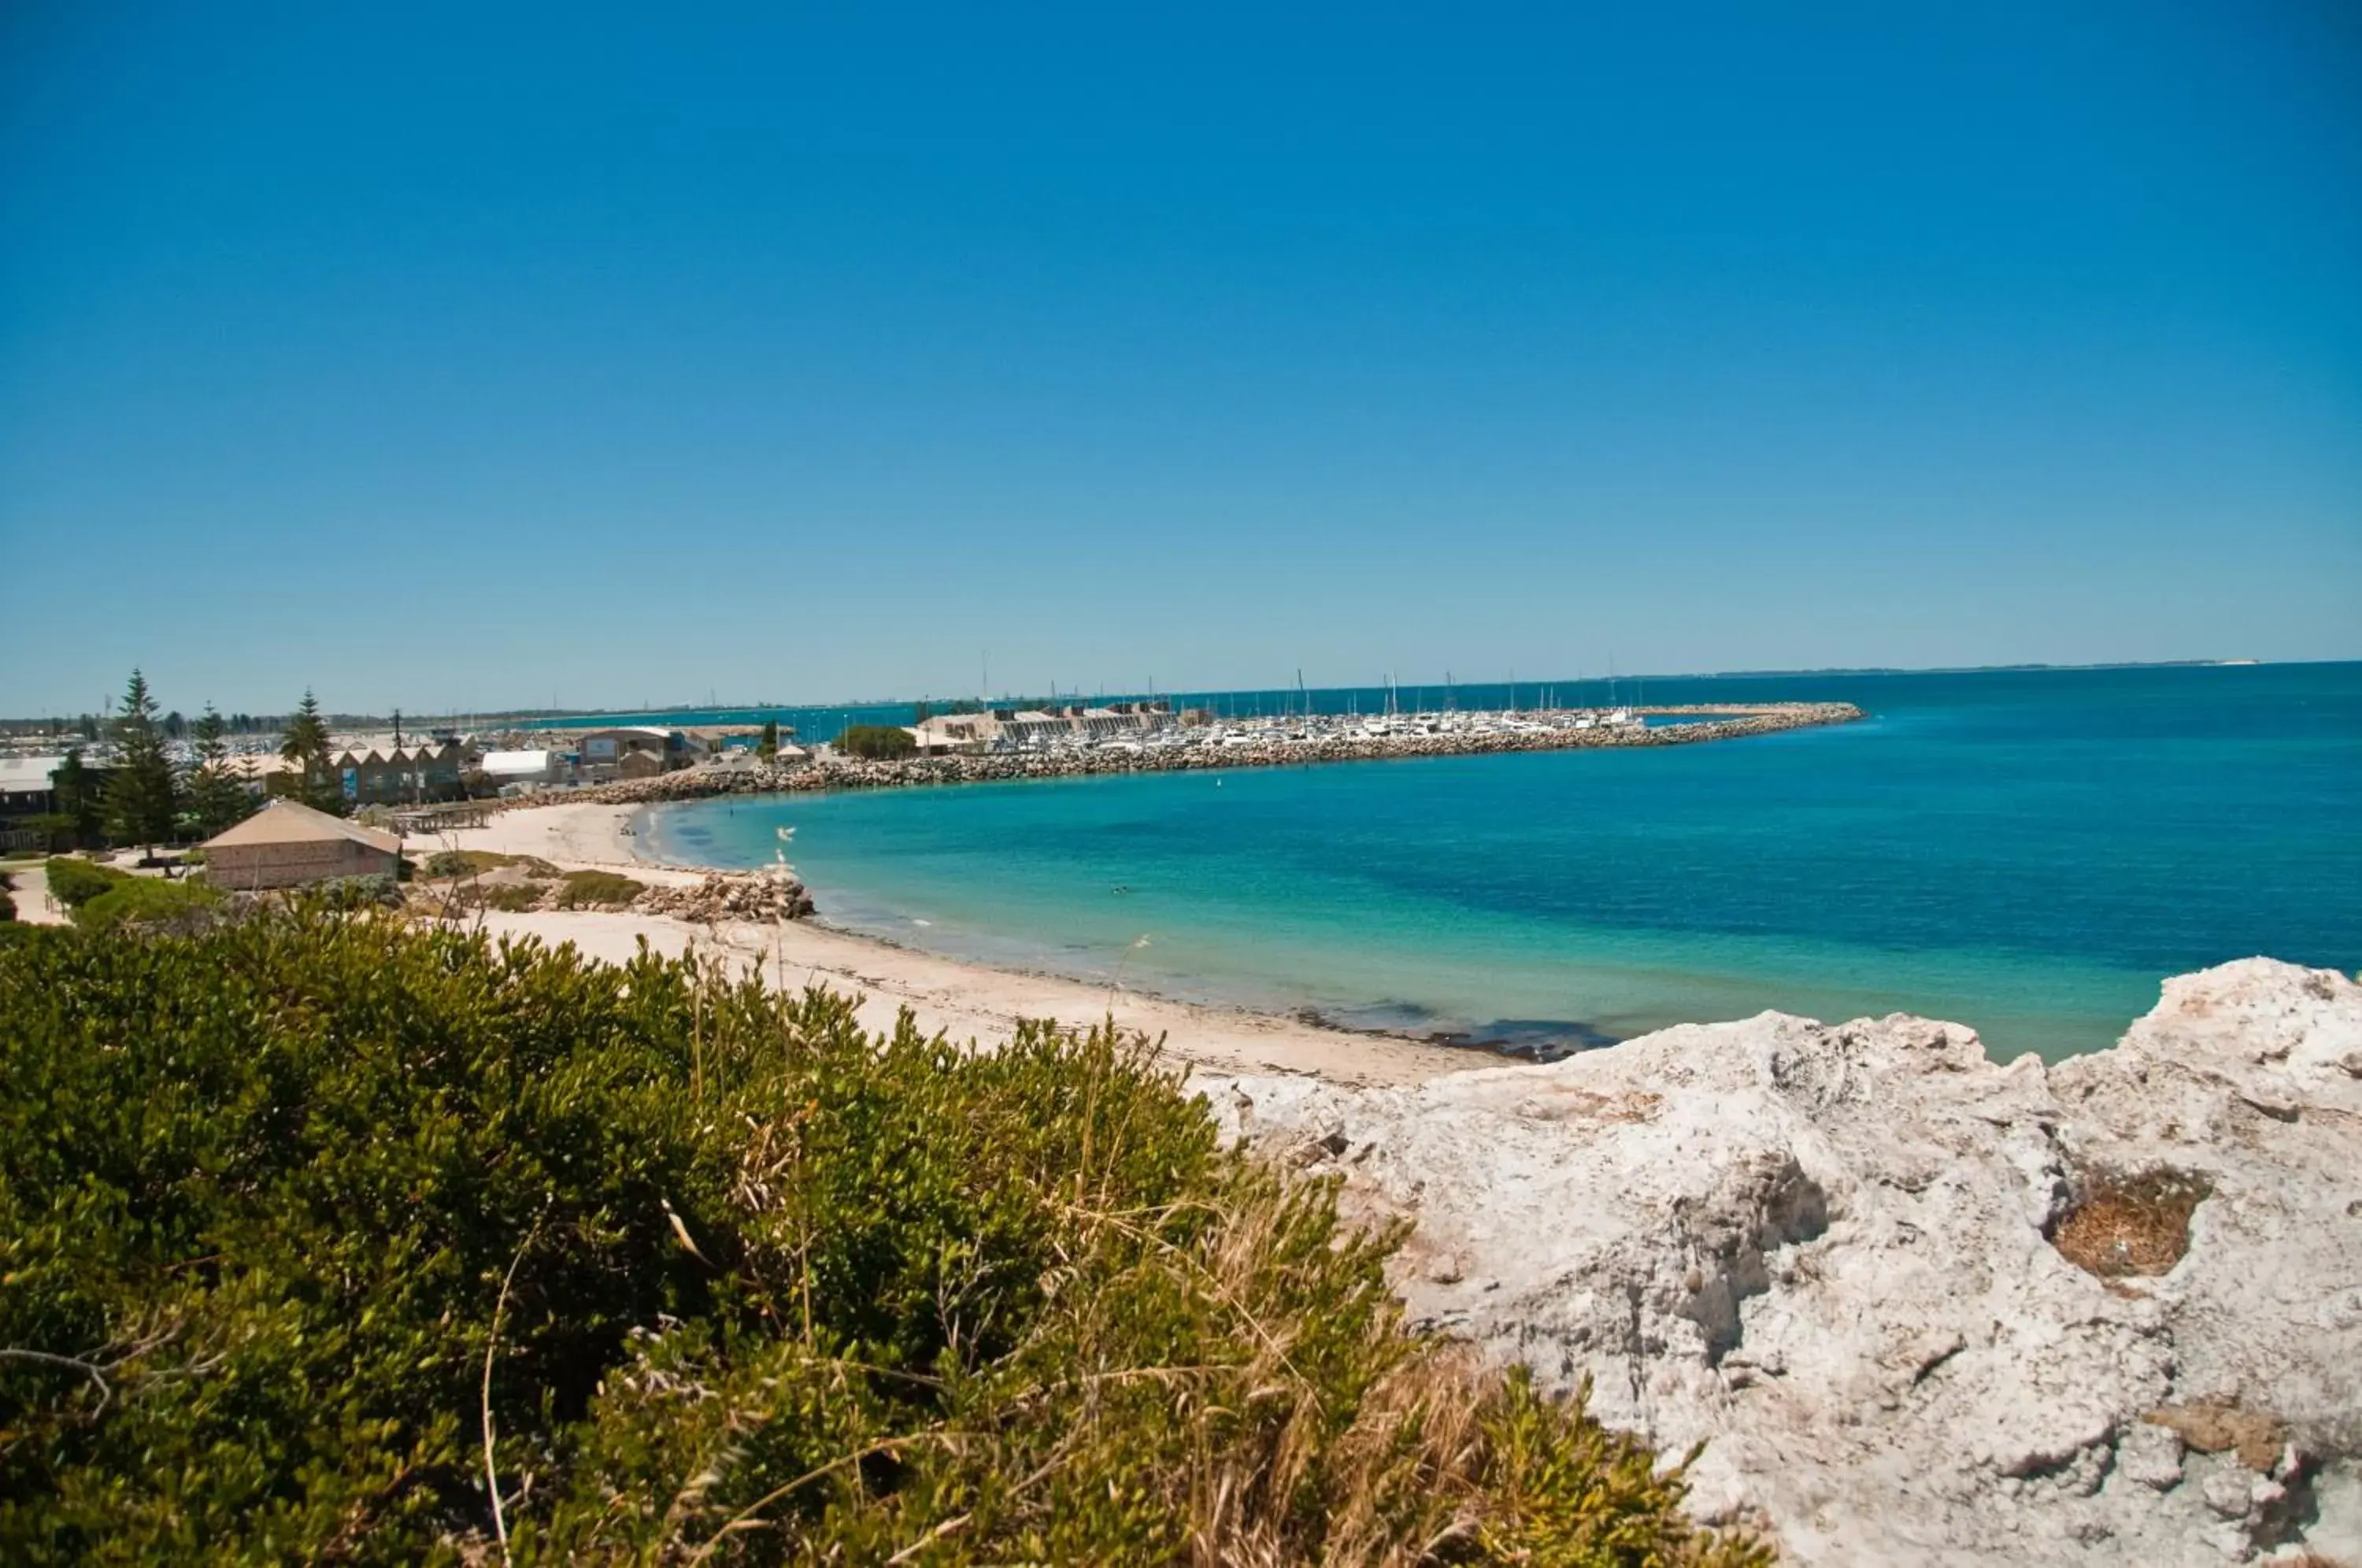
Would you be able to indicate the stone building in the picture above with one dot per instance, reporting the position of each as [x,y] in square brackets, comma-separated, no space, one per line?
[287,845]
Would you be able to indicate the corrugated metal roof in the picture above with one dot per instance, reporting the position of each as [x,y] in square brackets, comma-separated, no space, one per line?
[292,822]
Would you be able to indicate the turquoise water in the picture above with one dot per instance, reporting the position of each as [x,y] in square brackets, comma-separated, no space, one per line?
[2028,853]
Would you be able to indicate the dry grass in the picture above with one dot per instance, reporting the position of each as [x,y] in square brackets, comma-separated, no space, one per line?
[597,890]
[2136,1225]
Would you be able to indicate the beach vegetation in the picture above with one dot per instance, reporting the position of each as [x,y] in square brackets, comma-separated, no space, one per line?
[877,742]
[770,745]
[338,1237]
[597,890]
[148,900]
[74,882]
[475,862]
[375,890]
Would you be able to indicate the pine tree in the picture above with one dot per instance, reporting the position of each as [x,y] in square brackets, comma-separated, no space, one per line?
[77,795]
[142,797]
[304,744]
[770,746]
[218,796]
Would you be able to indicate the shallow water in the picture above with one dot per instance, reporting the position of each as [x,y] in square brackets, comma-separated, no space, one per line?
[2028,853]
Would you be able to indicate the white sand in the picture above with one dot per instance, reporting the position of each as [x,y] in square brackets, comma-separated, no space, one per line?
[966,1002]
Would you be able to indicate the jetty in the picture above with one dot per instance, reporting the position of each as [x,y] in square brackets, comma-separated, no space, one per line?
[1291,741]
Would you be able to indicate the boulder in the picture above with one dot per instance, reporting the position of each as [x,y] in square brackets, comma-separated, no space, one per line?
[1838,1257]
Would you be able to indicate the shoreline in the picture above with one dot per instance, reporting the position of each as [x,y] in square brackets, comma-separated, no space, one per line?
[963,1000]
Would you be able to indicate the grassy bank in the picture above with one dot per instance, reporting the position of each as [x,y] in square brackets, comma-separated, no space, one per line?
[332,1236]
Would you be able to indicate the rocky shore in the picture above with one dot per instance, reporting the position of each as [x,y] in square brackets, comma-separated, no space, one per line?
[1918,1307]
[828,772]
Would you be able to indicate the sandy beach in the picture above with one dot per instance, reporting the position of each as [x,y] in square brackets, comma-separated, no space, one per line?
[965,1001]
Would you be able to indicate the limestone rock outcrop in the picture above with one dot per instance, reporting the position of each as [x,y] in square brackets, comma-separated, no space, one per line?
[721,896]
[1838,1257]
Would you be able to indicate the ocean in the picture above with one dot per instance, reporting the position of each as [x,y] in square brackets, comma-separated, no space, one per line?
[2026,852]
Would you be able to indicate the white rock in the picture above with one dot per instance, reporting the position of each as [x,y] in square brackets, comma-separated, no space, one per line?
[2152,1455]
[1822,1251]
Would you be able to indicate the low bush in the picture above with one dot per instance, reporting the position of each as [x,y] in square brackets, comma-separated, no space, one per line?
[883,742]
[74,883]
[347,893]
[475,862]
[597,890]
[148,900]
[512,897]
[333,1237]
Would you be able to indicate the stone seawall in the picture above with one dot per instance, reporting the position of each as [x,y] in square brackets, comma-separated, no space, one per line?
[852,773]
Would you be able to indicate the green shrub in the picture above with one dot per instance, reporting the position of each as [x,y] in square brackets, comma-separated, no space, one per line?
[74,883]
[877,741]
[597,890]
[474,862]
[510,897]
[348,893]
[148,900]
[310,1209]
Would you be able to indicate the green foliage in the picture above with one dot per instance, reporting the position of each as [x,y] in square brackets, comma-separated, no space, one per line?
[7,900]
[147,900]
[882,741]
[510,897]
[74,883]
[770,745]
[347,893]
[79,800]
[304,744]
[474,862]
[219,798]
[143,791]
[595,890]
[307,1211]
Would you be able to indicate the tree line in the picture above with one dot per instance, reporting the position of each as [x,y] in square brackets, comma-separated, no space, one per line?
[146,795]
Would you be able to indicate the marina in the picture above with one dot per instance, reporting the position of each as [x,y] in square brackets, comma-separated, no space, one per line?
[1014,743]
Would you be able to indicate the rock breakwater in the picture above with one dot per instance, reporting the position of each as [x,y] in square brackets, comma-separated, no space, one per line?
[829,771]
[1918,1306]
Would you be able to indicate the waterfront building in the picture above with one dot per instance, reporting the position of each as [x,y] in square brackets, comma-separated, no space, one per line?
[26,792]
[401,776]
[645,748]
[288,844]
[521,770]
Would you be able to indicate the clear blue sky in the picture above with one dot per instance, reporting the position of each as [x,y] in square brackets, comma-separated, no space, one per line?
[459,356]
